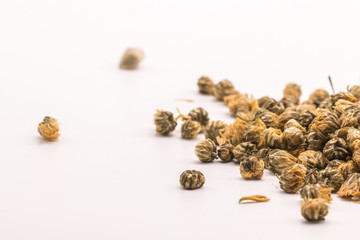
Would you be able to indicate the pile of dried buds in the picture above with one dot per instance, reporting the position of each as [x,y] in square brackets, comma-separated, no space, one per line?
[312,147]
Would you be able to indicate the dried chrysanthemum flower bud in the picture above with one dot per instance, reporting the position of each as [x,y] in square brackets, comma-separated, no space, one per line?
[289,113]
[271,104]
[342,95]
[313,159]
[293,137]
[335,148]
[292,178]
[306,117]
[234,132]
[324,123]
[353,134]
[192,179]
[270,119]
[314,209]
[214,128]
[244,150]
[312,191]
[164,121]
[241,103]
[254,133]
[131,58]
[206,150]
[318,96]
[295,124]
[292,93]
[351,187]
[279,160]
[350,117]
[347,168]
[49,129]
[355,91]
[313,177]
[314,141]
[190,129]
[332,178]
[205,85]
[273,137]
[263,154]
[225,152]
[326,104]
[223,89]
[252,168]
[200,115]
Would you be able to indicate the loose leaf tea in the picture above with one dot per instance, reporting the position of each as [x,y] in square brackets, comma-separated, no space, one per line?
[192,179]
[49,129]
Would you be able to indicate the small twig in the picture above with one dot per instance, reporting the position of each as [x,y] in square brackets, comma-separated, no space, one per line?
[255,198]
[331,84]
[185,100]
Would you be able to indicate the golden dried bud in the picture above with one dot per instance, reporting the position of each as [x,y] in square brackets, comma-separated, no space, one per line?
[292,178]
[192,179]
[190,129]
[279,160]
[342,95]
[200,115]
[355,91]
[164,121]
[335,148]
[314,141]
[206,150]
[312,191]
[205,85]
[288,114]
[271,104]
[306,117]
[49,129]
[293,137]
[324,123]
[252,168]
[351,187]
[225,152]
[254,133]
[268,118]
[313,159]
[318,96]
[214,128]
[314,209]
[273,137]
[244,150]
[131,58]
[223,89]
[347,168]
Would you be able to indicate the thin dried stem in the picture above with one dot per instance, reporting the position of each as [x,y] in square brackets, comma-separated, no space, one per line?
[255,198]
[331,84]
[185,100]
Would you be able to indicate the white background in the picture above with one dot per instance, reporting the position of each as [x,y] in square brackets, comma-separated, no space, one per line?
[109,176]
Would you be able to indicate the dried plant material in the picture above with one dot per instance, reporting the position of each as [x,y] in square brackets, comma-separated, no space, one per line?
[318,96]
[279,160]
[273,138]
[200,115]
[292,178]
[270,119]
[350,117]
[131,58]
[324,123]
[355,91]
[225,152]
[185,100]
[288,114]
[254,198]
[49,129]
[306,118]
[351,187]
[214,128]
[263,155]
[244,150]
[234,132]
[314,209]
[314,141]
[335,148]
[192,179]
[292,93]
[313,159]
[347,168]
[312,191]
[252,168]
[190,129]
[343,95]
[223,89]
[271,104]
[254,133]
[164,121]
[313,177]
[293,137]
[205,85]
[206,150]
[352,135]
[241,103]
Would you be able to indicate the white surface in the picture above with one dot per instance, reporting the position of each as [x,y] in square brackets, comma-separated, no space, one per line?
[109,176]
